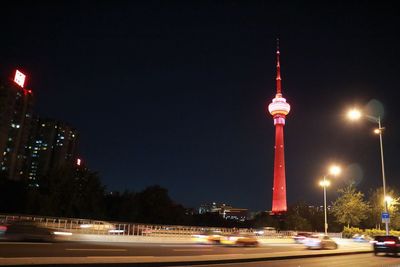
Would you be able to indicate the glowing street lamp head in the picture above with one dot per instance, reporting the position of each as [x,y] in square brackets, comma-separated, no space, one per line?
[377,131]
[388,200]
[354,114]
[325,183]
[335,170]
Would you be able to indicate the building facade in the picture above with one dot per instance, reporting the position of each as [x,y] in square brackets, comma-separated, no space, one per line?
[52,145]
[225,211]
[16,106]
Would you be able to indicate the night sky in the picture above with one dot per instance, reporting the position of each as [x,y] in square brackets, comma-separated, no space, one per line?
[174,92]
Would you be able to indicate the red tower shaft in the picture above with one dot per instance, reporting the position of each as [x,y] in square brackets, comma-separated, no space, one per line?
[279,109]
[279,189]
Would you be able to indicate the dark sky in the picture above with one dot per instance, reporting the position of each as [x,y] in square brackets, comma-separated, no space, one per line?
[174,92]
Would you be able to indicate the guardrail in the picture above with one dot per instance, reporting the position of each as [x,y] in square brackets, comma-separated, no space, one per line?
[87,226]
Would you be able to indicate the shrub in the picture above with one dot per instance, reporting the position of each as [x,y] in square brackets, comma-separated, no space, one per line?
[349,232]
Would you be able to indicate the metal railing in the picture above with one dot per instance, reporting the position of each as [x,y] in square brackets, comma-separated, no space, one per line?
[87,226]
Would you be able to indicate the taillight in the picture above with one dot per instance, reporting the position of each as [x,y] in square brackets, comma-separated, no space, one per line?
[389,242]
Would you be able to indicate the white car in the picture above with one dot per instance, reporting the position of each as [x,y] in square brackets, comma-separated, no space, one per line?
[320,242]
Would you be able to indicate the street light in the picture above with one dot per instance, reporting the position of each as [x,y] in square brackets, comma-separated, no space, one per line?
[333,170]
[388,200]
[355,114]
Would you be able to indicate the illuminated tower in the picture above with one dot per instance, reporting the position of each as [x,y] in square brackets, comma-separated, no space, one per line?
[279,109]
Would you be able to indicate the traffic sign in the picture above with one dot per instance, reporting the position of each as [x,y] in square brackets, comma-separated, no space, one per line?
[385,217]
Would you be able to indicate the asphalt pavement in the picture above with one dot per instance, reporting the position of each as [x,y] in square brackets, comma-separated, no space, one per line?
[15,253]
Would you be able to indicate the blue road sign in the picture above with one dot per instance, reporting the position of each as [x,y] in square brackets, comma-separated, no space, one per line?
[385,217]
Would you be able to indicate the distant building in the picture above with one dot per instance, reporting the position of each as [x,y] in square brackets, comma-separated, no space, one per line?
[52,145]
[16,105]
[238,214]
[226,211]
[190,211]
[210,207]
[313,208]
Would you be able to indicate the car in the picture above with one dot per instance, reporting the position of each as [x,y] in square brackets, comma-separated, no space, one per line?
[386,244]
[28,231]
[320,242]
[3,229]
[100,227]
[240,239]
[264,231]
[361,238]
[300,237]
[208,237]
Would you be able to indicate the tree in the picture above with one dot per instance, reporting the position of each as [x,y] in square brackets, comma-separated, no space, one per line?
[153,205]
[71,192]
[298,217]
[376,200]
[264,219]
[12,195]
[350,207]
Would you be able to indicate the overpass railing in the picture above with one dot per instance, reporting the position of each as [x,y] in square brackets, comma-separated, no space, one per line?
[87,226]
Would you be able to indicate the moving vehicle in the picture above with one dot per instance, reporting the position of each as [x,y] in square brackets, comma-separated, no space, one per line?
[97,227]
[320,242]
[207,237]
[264,231]
[361,238]
[240,239]
[386,244]
[301,237]
[27,231]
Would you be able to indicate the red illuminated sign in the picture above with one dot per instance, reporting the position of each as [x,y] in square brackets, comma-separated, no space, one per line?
[19,78]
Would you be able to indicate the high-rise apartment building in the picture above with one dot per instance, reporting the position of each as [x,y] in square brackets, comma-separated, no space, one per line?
[16,104]
[52,145]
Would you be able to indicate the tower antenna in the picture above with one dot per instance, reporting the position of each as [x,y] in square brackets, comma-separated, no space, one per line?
[278,70]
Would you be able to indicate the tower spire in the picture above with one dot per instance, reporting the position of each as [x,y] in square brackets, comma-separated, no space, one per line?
[278,70]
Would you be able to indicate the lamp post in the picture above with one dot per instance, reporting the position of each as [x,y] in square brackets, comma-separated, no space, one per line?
[334,170]
[355,114]
[325,183]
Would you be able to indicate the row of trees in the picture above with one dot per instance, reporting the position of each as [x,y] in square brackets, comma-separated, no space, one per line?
[79,193]
[351,208]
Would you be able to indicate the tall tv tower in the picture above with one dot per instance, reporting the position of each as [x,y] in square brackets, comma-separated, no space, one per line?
[279,109]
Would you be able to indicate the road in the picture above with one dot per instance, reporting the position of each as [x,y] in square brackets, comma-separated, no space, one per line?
[358,260]
[85,249]
[150,254]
